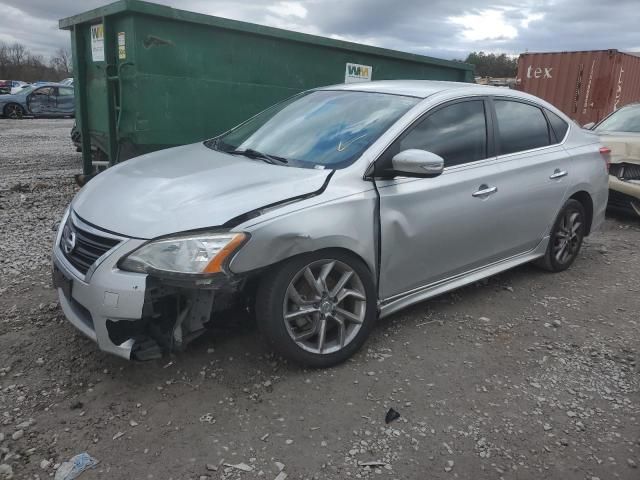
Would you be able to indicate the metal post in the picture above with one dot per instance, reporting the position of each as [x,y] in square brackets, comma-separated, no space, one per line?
[79,49]
[110,57]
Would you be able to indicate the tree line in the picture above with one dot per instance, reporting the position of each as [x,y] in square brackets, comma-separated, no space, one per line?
[18,63]
[492,65]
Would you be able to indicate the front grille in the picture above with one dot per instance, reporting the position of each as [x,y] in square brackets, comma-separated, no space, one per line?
[82,248]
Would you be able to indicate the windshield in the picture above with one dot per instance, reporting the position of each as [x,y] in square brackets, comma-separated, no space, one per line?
[624,120]
[321,129]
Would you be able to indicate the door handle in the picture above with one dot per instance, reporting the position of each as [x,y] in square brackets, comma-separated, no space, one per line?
[557,173]
[485,190]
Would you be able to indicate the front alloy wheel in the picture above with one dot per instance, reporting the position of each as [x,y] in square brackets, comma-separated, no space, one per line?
[13,111]
[324,306]
[317,311]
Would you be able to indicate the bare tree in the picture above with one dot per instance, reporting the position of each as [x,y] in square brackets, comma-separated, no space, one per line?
[17,53]
[35,67]
[61,62]
[4,59]
[18,63]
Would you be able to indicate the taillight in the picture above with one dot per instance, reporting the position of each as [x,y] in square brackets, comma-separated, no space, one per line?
[606,155]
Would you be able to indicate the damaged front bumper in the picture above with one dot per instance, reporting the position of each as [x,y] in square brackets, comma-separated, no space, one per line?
[131,315]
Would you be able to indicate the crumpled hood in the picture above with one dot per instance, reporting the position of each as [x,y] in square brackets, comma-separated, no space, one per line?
[625,147]
[187,188]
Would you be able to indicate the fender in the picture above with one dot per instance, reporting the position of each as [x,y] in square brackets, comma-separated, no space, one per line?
[245,217]
[345,222]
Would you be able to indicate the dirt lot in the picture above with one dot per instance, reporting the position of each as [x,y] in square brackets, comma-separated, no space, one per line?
[526,375]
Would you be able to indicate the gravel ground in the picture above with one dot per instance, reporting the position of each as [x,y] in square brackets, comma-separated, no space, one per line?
[525,375]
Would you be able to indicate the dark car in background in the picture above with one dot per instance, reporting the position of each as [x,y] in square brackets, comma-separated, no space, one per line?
[5,87]
[46,100]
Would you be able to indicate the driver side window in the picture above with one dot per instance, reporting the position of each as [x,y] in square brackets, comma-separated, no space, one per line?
[45,91]
[457,132]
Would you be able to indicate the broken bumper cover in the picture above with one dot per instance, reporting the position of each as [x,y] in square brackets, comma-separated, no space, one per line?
[624,195]
[105,294]
[129,314]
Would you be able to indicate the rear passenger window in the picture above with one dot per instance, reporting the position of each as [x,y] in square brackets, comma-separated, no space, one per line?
[558,125]
[458,133]
[520,127]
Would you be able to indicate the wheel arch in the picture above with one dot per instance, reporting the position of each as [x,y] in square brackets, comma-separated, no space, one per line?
[585,199]
[330,244]
[328,251]
[347,224]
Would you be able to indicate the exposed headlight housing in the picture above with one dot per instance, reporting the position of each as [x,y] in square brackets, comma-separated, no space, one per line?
[200,254]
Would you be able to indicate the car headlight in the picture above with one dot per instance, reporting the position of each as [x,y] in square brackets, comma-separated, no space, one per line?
[197,254]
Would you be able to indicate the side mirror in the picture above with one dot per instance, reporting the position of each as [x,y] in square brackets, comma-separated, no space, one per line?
[417,163]
[589,126]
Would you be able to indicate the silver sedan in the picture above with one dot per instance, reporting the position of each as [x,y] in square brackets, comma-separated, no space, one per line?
[326,212]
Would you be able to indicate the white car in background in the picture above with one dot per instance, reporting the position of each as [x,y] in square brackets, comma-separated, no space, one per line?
[17,86]
[620,131]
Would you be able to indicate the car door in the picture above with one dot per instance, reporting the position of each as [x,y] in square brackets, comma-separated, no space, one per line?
[65,101]
[435,228]
[535,170]
[40,100]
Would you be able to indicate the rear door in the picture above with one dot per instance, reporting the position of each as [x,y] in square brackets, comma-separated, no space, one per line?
[535,170]
[65,101]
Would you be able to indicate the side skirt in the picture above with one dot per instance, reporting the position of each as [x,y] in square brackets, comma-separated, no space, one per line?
[400,301]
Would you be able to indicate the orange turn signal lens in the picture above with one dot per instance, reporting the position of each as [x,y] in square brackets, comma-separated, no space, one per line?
[215,265]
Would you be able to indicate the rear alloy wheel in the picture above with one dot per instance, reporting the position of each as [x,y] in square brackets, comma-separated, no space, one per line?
[566,238]
[14,111]
[317,309]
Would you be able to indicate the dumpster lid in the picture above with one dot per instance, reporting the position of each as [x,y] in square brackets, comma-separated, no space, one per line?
[148,8]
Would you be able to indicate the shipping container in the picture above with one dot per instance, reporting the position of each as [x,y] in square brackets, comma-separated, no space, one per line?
[587,86]
[149,76]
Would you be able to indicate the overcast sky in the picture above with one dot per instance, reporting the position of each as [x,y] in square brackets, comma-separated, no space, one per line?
[441,28]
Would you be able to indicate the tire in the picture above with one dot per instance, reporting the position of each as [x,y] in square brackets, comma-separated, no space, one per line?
[568,230]
[76,137]
[346,313]
[13,111]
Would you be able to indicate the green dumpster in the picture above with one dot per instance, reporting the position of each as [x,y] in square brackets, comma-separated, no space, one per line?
[149,76]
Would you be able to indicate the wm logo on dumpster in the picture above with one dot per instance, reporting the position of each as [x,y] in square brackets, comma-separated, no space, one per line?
[357,73]
[97,32]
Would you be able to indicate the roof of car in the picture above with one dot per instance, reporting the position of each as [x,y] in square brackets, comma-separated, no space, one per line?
[418,88]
